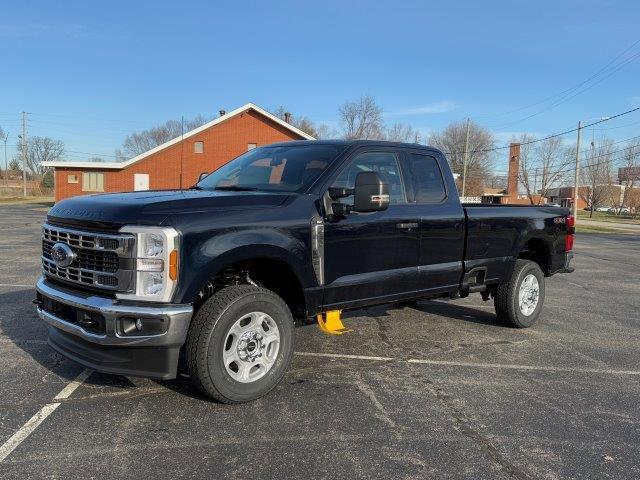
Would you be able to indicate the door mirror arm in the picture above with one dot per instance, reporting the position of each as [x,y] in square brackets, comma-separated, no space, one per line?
[336,193]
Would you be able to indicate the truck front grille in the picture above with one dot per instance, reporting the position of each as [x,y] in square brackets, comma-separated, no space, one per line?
[97,261]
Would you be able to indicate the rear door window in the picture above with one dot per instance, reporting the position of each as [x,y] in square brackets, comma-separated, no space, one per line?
[426,179]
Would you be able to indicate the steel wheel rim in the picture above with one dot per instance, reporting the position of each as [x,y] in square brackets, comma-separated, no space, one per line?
[251,347]
[529,295]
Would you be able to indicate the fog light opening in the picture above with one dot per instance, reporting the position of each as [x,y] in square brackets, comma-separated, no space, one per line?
[132,326]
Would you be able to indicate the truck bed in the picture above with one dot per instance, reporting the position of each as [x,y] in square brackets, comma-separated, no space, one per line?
[497,233]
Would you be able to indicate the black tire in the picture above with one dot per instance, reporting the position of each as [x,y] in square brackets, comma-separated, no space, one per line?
[208,333]
[506,298]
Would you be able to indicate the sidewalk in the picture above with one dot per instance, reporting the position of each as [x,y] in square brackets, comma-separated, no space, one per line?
[630,227]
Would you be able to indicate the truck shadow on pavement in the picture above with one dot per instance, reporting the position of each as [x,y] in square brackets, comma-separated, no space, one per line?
[19,323]
[447,309]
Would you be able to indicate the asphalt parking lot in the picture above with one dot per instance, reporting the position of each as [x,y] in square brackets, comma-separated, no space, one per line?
[437,391]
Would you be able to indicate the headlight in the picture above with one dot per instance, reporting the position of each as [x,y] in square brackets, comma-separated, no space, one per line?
[156,263]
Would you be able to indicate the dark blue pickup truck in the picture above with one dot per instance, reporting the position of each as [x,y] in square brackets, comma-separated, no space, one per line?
[221,272]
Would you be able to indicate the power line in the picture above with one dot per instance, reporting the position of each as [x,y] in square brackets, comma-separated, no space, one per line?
[575,87]
[575,91]
[560,134]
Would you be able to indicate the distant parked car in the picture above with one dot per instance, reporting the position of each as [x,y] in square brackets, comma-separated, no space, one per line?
[619,210]
[552,205]
[603,209]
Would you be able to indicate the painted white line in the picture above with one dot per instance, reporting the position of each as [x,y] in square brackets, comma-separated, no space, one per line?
[15,285]
[540,368]
[447,363]
[28,428]
[69,389]
[339,355]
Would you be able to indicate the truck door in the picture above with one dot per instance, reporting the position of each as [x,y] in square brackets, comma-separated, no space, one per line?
[441,220]
[371,256]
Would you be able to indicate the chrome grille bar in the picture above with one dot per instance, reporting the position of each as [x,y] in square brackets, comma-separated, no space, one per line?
[97,258]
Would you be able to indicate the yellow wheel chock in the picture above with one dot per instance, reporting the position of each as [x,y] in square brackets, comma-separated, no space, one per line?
[329,322]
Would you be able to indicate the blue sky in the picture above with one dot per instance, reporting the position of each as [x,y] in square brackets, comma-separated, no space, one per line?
[89,72]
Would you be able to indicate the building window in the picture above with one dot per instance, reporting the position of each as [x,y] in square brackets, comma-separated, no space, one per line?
[72,178]
[92,182]
[251,146]
[198,147]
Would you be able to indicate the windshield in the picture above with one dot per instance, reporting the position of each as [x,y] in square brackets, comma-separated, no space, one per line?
[276,169]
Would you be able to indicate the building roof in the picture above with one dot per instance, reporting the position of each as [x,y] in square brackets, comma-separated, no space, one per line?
[195,131]
[494,192]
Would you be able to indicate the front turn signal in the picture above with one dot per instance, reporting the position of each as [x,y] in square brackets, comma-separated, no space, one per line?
[173,265]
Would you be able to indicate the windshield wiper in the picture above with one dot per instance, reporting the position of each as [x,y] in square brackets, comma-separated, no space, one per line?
[195,187]
[236,188]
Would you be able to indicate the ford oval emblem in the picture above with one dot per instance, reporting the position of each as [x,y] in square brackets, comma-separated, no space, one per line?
[62,255]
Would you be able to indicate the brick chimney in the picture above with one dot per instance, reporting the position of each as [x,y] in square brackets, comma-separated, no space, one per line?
[514,166]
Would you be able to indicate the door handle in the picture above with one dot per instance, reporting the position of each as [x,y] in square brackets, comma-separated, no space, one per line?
[407,226]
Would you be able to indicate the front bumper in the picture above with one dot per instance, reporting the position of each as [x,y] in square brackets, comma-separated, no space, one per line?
[108,349]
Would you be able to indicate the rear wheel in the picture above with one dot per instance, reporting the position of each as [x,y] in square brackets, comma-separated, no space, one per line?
[519,302]
[240,344]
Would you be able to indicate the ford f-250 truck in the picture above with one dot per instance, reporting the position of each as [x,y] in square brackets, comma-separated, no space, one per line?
[221,272]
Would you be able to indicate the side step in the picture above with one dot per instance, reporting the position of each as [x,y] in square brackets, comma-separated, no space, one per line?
[473,280]
[329,322]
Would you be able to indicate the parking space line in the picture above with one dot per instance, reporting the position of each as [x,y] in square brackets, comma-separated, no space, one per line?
[340,355]
[448,363]
[69,389]
[28,428]
[15,285]
[540,368]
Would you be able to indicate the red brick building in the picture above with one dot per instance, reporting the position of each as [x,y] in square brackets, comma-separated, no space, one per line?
[178,162]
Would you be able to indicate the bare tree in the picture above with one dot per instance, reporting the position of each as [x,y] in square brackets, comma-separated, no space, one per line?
[40,149]
[140,142]
[301,123]
[362,119]
[14,165]
[3,138]
[400,132]
[631,159]
[324,131]
[596,174]
[527,172]
[633,200]
[496,181]
[542,165]
[480,155]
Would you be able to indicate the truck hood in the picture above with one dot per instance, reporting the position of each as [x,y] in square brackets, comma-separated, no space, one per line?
[111,211]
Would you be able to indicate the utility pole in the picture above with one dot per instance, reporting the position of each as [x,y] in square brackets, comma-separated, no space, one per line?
[24,154]
[464,160]
[576,174]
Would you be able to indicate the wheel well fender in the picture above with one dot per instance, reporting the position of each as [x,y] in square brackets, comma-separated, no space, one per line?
[537,248]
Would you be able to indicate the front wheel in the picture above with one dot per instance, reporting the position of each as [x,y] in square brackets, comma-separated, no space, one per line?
[240,344]
[519,301]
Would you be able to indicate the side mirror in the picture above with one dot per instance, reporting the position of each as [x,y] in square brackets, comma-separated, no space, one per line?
[202,175]
[371,193]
